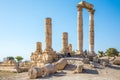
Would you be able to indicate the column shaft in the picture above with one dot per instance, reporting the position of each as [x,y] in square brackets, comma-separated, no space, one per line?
[91,31]
[80,30]
[48,32]
[65,42]
[39,47]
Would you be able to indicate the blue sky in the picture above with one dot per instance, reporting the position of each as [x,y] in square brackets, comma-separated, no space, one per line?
[22,24]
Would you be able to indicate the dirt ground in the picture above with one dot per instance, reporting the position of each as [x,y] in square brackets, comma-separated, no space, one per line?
[107,73]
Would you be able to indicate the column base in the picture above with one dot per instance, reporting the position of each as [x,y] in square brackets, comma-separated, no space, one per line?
[49,55]
[79,53]
[91,55]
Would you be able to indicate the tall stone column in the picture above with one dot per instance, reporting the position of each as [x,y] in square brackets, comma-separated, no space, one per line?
[39,47]
[65,42]
[91,31]
[48,32]
[80,30]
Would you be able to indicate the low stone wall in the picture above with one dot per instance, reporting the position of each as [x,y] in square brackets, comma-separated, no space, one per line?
[72,60]
[9,68]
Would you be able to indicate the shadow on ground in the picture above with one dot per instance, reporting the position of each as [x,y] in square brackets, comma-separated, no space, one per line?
[117,67]
[70,67]
[58,74]
[89,71]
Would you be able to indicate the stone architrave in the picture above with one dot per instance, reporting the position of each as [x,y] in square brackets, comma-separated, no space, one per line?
[65,42]
[70,48]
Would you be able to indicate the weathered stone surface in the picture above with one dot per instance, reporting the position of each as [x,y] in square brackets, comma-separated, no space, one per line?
[9,68]
[86,61]
[35,72]
[39,47]
[90,56]
[65,48]
[91,10]
[24,64]
[39,58]
[85,4]
[60,65]
[79,67]
[95,65]
[95,59]
[46,70]
[80,31]
[48,54]
[49,69]
[117,61]
[9,65]
[48,33]
[119,55]
[104,61]
[70,48]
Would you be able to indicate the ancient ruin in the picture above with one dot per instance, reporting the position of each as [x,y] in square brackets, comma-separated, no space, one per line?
[49,54]
[9,65]
[91,10]
[65,48]
[46,62]
[70,48]
[39,58]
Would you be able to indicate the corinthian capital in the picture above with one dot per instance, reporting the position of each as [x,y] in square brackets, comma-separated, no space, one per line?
[79,8]
[91,11]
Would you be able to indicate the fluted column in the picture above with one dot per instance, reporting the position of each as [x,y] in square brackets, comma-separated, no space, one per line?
[91,31]
[48,32]
[80,30]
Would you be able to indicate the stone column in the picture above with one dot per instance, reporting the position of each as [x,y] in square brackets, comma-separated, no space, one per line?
[91,31]
[80,30]
[65,42]
[70,48]
[38,47]
[48,33]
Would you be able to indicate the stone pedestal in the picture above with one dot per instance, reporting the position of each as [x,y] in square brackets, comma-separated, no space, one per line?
[37,55]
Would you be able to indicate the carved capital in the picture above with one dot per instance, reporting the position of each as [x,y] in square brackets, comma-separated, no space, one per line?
[79,8]
[91,11]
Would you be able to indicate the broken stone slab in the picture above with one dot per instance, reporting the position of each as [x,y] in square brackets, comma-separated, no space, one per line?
[104,61]
[49,69]
[60,65]
[117,61]
[79,67]
[45,71]
[35,72]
